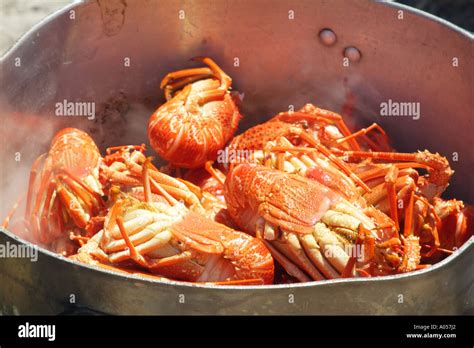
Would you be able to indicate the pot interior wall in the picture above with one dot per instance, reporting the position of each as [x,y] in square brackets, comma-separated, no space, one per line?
[115,53]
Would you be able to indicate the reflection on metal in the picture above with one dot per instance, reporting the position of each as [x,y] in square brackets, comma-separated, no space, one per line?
[352,53]
[328,37]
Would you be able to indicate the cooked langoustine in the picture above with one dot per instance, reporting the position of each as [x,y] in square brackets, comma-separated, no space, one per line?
[174,242]
[199,117]
[311,229]
[324,127]
[127,168]
[64,191]
[414,200]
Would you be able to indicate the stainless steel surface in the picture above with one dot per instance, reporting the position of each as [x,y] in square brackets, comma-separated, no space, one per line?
[46,286]
[282,63]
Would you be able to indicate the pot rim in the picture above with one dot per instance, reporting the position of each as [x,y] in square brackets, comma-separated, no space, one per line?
[467,247]
[76,3]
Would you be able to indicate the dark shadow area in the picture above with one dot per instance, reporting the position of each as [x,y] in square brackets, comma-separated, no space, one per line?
[459,12]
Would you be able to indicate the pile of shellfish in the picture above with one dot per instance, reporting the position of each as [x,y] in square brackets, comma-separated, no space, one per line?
[298,198]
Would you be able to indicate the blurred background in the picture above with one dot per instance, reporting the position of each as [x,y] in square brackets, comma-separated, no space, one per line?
[459,12]
[17,16]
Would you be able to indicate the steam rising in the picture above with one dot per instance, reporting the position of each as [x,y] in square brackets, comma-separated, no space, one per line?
[25,136]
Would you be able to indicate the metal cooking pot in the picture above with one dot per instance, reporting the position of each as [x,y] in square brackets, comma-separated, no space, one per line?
[114,53]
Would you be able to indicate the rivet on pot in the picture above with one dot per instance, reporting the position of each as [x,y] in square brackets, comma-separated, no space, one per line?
[352,53]
[327,37]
